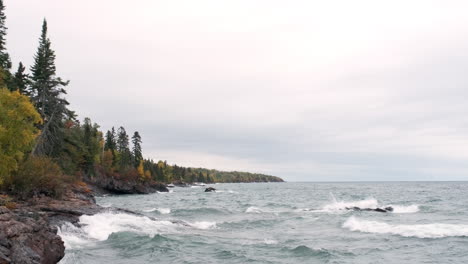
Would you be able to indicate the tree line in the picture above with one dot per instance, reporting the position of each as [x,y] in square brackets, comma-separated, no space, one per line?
[43,145]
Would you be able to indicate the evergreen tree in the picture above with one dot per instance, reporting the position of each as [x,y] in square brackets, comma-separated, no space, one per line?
[47,92]
[124,149]
[20,79]
[110,143]
[4,57]
[137,152]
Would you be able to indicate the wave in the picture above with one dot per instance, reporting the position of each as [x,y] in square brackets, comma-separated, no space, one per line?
[200,211]
[98,227]
[253,209]
[401,209]
[369,203]
[160,210]
[203,225]
[224,191]
[435,230]
[304,251]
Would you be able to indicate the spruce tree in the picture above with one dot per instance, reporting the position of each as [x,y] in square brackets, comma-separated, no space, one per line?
[110,143]
[20,79]
[137,152]
[47,92]
[124,149]
[5,62]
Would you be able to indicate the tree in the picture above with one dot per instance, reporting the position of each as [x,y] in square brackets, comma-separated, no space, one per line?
[137,152]
[125,156]
[18,120]
[20,79]
[47,92]
[110,141]
[5,62]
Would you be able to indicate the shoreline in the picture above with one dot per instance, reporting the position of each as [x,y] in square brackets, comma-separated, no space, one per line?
[29,229]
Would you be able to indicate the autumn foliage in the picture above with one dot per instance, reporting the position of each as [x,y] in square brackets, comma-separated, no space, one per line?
[18,118]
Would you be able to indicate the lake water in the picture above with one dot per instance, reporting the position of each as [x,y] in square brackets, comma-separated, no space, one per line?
[279,223]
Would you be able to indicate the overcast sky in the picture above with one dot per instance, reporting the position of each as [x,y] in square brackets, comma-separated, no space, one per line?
[306,90]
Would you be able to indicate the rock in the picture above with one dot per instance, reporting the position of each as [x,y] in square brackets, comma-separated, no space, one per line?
[380,210]
[117,186]
[210,189]
[28,234]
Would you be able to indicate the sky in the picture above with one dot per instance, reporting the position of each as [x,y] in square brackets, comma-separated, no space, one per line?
[306,90]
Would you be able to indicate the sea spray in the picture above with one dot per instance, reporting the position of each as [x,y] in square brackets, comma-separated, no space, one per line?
[435,230]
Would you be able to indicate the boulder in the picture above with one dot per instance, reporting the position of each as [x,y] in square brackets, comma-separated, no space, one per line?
[210,189]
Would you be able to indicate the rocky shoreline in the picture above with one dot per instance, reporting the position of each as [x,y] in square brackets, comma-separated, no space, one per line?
[28,231]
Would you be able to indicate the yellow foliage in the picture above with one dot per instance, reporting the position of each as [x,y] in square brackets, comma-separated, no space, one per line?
[141,170]
[17,129]
[147,175]
[107,159]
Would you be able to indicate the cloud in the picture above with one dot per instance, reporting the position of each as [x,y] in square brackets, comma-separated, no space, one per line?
[307,90]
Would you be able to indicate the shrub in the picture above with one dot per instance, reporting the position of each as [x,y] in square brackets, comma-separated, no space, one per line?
[37,175]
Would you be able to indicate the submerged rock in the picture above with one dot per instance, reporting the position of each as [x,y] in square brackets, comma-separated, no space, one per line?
[210,189]
[380,210]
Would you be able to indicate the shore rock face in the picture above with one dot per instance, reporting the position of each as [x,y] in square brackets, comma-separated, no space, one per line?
[28,233]
[116,186]
[28,239]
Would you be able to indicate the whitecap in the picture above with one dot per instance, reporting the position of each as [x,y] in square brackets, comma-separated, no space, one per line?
[98,227]
[270,241]
[160,210]
[203,225]
[435,230]
[401,209]
[370,203]
[253,209]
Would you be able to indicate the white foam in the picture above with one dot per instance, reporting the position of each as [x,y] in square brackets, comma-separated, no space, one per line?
[203,225]
[401,209]
[435,230]
[370,203]
[98,227]
[170,191]
[253,209]
[160,210]
[270,241]
[341,205]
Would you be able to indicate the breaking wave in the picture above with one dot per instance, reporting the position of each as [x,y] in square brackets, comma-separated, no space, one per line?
[435,230]
[160,210]
[370,203]
[98,227]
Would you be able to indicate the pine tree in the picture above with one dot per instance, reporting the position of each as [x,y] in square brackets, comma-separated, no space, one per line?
[123,148]
[137,152]
[5,62]
[20,79]
[47,92]
[110,143]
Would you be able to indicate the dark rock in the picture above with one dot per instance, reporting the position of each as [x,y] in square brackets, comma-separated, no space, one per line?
[117,186]
[210,189]
[380,210]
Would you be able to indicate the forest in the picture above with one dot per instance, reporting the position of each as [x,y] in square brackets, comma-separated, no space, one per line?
[44,146]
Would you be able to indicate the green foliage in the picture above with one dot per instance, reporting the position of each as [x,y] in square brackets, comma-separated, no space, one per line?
[47,92]
[37,175]
[137,152]
[4,57]
[17,130]
[21,80]
[123,148]
[163,172]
